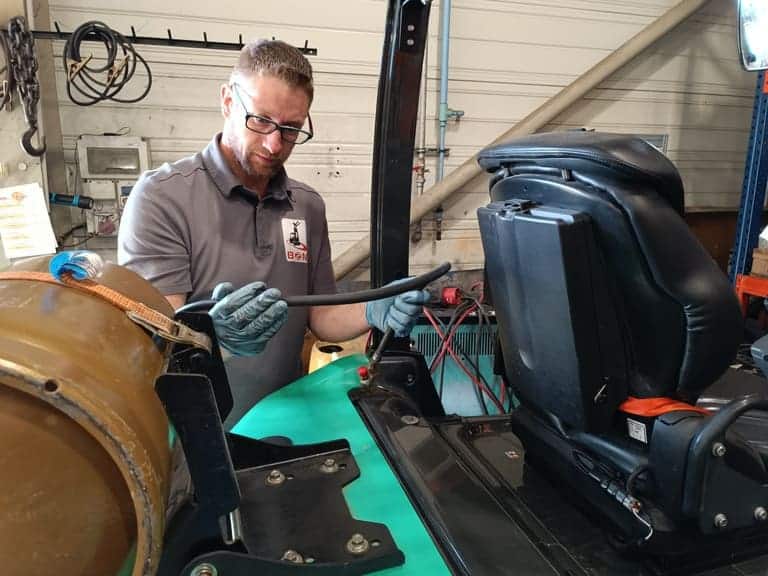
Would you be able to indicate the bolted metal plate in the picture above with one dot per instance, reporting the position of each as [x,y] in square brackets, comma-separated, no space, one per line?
[306,516]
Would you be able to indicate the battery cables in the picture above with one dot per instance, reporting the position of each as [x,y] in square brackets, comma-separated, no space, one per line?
[467,303]
[91,80]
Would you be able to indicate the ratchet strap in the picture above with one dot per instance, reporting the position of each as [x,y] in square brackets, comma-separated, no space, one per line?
[155,322]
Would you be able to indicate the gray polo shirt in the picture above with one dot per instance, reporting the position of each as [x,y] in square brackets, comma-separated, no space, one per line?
[189,225]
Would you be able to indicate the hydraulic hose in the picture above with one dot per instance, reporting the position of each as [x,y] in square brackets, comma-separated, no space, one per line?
[415,283]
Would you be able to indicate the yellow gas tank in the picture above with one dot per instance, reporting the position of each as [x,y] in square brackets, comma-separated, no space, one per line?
[324,353]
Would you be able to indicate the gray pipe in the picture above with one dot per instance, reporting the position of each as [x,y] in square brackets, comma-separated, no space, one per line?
[442,114]
[536,120]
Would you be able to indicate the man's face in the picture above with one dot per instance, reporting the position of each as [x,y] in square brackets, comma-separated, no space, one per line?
[261,155]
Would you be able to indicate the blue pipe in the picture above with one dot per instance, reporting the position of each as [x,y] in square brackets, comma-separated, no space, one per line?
[753,190]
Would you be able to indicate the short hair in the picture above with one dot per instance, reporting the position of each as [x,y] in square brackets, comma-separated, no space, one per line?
[275,58]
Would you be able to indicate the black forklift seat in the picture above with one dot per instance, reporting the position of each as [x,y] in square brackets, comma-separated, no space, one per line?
[606,302]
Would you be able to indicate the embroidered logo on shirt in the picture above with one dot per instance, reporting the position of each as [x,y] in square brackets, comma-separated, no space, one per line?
[295,240]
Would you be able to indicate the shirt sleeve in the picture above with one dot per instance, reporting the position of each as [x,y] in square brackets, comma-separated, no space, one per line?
[323,280]
[151,239]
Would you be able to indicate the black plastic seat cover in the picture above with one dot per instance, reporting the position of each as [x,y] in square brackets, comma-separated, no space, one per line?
[683,322]
[597,157]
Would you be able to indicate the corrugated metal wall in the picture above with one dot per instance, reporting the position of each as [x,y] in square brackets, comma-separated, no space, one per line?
[507,57]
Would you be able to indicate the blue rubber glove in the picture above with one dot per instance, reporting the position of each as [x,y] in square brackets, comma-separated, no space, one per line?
[245,319]
[397,312]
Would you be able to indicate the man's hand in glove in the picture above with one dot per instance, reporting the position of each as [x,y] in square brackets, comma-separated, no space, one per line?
[245,319]
[397,312]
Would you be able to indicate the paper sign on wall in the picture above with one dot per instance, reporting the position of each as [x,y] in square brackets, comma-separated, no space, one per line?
[24,222]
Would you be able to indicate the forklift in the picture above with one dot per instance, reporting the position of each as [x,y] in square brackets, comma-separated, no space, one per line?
[633,446]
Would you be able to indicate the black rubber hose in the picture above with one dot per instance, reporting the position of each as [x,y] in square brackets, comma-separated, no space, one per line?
[415,283]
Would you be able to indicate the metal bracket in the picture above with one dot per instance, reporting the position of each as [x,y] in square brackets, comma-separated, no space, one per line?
[413,26]
[454,114]
[258,508]
[433,151]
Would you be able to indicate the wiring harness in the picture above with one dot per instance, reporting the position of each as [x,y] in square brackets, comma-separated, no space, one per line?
[467,303]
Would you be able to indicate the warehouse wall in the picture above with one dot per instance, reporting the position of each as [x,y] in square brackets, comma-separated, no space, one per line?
[507,57]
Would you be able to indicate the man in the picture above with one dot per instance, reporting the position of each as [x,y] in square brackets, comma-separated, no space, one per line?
[230,217]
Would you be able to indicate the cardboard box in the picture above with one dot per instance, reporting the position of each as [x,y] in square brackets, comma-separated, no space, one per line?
[759,262]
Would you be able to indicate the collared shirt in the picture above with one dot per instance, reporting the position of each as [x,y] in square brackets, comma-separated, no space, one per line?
[190,225]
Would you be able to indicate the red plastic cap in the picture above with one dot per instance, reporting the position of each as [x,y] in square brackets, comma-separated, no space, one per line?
[363,372]
[451,296]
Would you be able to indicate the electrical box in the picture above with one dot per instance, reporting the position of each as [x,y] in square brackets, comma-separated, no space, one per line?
[109,166]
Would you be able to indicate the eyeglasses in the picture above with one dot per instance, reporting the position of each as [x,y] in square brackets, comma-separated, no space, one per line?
[263,125]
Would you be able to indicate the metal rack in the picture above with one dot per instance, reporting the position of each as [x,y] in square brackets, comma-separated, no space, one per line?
[755,180]
[169,40]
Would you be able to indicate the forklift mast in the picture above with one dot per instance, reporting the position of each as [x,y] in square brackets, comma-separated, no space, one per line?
[396,114]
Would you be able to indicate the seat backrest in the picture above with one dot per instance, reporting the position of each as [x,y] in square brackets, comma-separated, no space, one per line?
[562,342]
[681,320]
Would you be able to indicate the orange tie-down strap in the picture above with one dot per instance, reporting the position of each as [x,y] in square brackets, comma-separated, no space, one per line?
[149,318]
[651,407]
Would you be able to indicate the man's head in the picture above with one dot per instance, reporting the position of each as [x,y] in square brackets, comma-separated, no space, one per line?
[271,84]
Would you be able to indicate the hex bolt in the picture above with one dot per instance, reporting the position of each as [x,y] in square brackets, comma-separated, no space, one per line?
[409,419]
[204,570]
[293,557]
[718,449]
[329,466]
[761,515]
[275,478]
[721,521]
[357,544]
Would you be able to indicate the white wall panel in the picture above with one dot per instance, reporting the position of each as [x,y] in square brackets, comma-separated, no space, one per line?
[507,58]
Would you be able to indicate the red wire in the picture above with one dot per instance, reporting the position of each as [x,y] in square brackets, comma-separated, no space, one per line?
[477,382]
[447,345]
[447,339]
[481,284]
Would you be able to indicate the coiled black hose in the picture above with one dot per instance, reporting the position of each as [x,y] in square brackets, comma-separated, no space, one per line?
[415,283]
[96,83]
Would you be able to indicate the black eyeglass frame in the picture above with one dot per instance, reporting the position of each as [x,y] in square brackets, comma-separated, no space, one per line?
[272,125]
